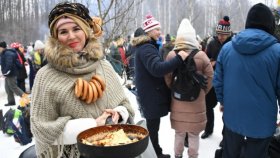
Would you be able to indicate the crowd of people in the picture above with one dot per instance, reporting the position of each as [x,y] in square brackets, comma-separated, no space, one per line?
[244,70]
[15,58]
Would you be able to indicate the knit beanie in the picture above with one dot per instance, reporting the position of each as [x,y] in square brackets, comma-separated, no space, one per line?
[3,44]
[223,27]
[186,36]
[77,12]
[138,32]
[39,45]
[261,17]
[15,45]
[150,23]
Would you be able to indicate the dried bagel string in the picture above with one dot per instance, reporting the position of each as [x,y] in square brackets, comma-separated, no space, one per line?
[89,91]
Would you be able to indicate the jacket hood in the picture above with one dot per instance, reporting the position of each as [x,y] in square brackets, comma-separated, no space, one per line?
[261,17]
[63,57]
[252,41]
[140,40]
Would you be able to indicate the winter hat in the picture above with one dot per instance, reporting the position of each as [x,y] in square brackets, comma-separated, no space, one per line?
[186,36]
[15,45]
[3,44]
[138,32]
[167,38]
[79,14]
[150,23]
[223,26]
[39,45]
[63,20]
[261,17]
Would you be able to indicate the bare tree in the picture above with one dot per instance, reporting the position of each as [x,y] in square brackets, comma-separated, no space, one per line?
[118,17]
[26,20]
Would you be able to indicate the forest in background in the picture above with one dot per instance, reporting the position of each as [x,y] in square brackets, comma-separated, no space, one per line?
[25,21]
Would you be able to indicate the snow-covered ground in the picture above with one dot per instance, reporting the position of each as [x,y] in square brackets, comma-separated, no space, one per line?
[10,149]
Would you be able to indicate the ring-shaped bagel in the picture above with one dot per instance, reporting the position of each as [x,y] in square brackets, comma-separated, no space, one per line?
[99,79]
[98,87]
[79,85]
[94,90]
[90,94]
[85,90]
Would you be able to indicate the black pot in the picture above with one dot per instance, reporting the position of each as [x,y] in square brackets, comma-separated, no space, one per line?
[122,151]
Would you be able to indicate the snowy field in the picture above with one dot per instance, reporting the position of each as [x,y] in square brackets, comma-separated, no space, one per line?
[10,149]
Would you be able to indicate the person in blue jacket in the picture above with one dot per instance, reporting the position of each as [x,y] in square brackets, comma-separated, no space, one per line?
[9,69]
[247,84]
[153,95]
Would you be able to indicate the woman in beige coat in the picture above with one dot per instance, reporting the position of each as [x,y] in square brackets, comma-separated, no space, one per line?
[78,89]
[189,117]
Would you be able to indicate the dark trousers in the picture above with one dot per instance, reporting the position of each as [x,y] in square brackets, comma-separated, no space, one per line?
[210,119]
[1,119]
[21,84]
[236,146]
[11,88]
[211,102]
[153,128]
[32,74]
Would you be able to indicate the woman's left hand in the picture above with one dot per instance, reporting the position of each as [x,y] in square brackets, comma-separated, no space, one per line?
[101,120]
[115,115]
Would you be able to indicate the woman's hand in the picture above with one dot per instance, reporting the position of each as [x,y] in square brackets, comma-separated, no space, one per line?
[115,115]
[221,108]
[100,121]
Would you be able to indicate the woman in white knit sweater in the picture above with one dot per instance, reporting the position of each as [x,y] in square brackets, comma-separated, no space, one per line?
[59,111]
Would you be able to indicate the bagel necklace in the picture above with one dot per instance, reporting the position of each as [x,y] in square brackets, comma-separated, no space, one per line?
[89,91]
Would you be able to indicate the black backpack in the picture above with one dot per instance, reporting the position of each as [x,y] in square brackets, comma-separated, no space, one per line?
[186,82]
[7,121]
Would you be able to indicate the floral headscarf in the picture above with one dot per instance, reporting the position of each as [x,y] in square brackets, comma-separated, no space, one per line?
[76,10]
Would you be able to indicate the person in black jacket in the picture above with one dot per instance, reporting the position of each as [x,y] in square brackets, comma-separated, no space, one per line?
[167,46]
[9,68]
[153,95]
[213,48]
[131,52]
[22,74]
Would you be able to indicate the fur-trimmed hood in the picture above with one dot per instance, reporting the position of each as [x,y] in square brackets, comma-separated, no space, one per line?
[62,57]
[140,40]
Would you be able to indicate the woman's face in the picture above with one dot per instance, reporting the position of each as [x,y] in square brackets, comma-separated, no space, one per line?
[71,34]
[155,33]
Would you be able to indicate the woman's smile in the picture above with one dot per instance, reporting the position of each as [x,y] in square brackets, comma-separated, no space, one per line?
[73,44]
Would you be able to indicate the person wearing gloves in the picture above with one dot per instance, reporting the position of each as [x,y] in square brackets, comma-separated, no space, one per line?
[187,116]
[247,84]
[60,111]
